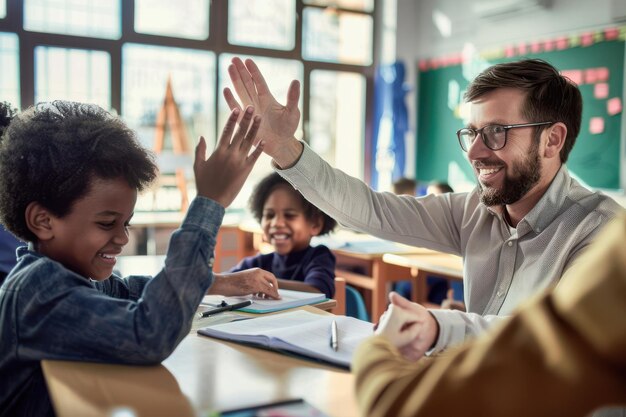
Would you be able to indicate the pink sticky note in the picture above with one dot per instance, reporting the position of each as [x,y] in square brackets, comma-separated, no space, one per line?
[586,39]
[591,76]
[601,90]
[614,106]
[596,125]
[535,47]
[576,76]
[611,34]
[548,45]
[602,74]
[522,49]
[562,43]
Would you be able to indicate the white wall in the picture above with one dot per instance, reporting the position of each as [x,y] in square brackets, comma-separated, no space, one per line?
[417,36]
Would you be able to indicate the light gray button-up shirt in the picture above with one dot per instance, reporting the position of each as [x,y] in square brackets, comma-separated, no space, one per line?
[501,268]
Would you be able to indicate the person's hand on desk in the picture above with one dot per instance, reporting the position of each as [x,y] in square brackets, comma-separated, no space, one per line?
[250,281]
[279,122]
[408,326]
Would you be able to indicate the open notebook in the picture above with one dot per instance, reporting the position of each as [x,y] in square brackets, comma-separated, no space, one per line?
[299,332]
[290,299]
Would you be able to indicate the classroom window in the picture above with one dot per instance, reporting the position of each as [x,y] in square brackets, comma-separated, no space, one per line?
[361,5]
[337,119]
[332,35]
[145,72]
[187,19]
[278,73]
[262,23]
[93,18]
[122,54]
[72,74]
[9,62]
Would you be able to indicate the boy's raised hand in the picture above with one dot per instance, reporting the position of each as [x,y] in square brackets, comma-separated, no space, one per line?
[221,177]
[279,122]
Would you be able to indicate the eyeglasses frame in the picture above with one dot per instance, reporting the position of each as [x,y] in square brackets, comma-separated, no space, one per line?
[506,131]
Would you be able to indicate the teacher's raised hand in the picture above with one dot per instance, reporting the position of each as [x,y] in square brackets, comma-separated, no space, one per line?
[279,122]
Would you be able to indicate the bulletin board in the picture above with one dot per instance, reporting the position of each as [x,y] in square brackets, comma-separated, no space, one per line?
[596,156]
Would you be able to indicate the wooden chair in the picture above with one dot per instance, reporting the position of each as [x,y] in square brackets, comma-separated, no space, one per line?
[340,297]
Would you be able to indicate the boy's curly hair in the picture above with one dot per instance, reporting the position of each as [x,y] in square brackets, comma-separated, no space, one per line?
[265,187]
[51,153]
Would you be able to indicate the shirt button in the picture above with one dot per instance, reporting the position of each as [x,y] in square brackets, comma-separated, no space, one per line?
[210,263]
[510,243]
[538,230]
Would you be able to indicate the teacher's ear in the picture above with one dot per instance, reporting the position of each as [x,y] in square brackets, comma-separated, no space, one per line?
[557,133]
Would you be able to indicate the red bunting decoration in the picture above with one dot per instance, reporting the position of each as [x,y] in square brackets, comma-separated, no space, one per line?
[535,47]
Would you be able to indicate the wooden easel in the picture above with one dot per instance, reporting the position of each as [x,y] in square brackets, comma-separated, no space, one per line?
[170,114]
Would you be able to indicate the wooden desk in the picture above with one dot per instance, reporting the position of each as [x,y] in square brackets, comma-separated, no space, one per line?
[377,277]
[421,265]
[152,264]
[152,231]
[361,253]
[202,375]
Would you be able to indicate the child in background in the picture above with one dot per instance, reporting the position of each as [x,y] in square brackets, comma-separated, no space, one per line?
[289,222]
[438,187]
[404,186]
[69,178]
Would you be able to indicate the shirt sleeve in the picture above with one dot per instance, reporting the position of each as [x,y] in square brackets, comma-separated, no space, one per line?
[431,222]
[557,344]
[457,326]
[320,271]
[71,320]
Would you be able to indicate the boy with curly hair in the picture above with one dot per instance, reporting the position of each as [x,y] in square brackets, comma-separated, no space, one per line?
[69,178]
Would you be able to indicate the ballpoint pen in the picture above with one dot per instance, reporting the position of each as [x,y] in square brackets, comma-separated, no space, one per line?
[334,340]
[228,307]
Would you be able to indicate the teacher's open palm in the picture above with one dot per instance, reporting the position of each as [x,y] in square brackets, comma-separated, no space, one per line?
[279,123]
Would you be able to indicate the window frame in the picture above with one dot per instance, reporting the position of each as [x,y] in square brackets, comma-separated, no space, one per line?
[216,42]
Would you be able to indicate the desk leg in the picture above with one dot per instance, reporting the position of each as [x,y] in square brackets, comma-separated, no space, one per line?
[419,287]
[379,290]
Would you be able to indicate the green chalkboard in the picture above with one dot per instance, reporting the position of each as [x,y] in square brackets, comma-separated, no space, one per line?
[595,158]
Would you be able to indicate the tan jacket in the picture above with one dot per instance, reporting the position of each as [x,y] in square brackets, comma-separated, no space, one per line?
[561,354]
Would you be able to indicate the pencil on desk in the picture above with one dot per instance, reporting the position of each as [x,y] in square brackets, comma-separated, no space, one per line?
[334,340]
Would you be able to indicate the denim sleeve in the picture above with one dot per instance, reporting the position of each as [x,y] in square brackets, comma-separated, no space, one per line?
[129,288]
[69,319]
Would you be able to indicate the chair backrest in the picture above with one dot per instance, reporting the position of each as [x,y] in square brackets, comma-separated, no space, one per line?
[355,305]
[340,297]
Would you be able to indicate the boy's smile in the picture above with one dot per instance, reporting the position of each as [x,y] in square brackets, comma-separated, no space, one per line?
[88,239]
[284,222]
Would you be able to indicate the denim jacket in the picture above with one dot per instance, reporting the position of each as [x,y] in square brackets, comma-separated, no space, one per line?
[50,312]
